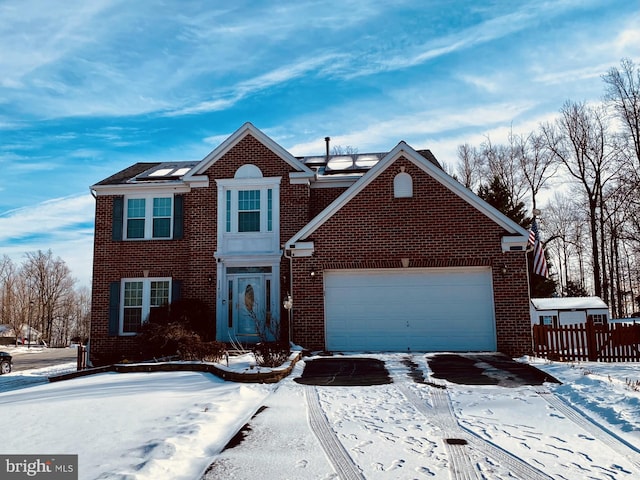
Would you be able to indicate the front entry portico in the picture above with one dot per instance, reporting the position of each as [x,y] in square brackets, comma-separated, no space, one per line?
[247,304]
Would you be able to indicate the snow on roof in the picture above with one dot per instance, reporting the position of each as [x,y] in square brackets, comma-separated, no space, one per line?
[568,303]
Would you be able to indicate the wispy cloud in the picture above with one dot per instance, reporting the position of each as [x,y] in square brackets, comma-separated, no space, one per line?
[224,100]
[62,225]
[52,217]
[416,127]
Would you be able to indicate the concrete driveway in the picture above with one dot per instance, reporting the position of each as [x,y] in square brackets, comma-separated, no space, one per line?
[460,368]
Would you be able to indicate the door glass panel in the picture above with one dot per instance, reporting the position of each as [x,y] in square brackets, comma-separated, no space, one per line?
[250,307]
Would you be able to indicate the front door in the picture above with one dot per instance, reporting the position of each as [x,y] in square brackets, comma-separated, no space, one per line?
[250,307]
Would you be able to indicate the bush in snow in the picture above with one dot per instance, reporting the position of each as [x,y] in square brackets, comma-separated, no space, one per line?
[271,354]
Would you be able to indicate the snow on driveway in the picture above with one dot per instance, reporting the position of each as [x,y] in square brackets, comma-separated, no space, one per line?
[172,425]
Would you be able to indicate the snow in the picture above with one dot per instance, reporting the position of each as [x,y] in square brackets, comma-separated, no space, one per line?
[568,303]
[175,425]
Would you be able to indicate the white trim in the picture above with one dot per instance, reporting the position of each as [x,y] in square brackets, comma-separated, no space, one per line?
[224,262]
[336,181]
[402,149]
[300,178]
[146,300]
[514,243]
[148,216]
[237,184]
[141,189]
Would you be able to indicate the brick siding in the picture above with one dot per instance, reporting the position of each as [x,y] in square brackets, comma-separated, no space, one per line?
[374,230]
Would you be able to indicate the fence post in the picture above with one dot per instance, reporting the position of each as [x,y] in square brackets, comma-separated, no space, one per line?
[592,349]
[82,357]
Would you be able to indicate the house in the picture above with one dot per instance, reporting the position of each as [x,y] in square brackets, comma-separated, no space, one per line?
[378,252]
[26,334]
[568,311]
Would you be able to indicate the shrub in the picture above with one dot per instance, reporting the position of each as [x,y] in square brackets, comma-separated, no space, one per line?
[193,315]
[196,349]
[162,340]
[271,354]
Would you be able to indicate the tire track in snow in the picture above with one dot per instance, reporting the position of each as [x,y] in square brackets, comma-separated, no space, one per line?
[462,468]
[601,433]
[335,451]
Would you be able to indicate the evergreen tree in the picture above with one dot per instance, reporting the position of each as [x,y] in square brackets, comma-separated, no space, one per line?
[497,195]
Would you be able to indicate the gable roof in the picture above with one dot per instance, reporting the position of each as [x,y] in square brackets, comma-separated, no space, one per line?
[429,167]
[568,303]
[247,129]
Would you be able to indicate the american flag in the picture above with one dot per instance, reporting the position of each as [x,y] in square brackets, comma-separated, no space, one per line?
[539,262]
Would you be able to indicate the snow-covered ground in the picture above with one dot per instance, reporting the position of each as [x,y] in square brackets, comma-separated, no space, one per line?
[174,425]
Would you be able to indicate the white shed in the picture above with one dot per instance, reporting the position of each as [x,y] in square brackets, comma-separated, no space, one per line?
[568,310]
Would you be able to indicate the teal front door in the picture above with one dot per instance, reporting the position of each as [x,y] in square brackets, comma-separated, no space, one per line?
[250,307]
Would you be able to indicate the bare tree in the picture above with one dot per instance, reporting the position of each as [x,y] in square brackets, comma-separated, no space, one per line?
[51,281]
[623,93]
[538,165]
[469,171]
[502,161]
[343,150]
[581,141]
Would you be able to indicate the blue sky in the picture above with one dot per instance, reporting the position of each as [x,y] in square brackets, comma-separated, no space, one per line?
[98,85]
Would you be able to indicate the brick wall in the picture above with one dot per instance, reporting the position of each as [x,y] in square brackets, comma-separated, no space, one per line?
[190,259]
[374,230]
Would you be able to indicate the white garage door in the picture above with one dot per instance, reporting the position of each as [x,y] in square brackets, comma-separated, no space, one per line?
[409,309]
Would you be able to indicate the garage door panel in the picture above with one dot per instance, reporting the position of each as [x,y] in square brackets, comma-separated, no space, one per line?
[430,309]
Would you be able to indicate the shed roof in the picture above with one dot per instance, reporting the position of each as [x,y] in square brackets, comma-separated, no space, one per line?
[568,303]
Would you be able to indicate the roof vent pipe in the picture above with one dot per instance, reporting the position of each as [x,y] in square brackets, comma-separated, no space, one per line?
[327,140]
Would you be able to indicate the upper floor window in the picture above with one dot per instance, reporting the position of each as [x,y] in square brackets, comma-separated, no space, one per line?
[149,217]
[249,211]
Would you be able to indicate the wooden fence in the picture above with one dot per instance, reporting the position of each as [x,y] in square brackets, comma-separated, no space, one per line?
[615,342]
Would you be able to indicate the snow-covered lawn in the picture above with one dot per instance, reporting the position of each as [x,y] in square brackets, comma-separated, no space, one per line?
[173,425]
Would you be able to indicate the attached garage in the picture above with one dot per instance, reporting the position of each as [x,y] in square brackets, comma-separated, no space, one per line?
[434,309]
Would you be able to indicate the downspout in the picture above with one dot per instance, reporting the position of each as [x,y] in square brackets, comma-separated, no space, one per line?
[290,312]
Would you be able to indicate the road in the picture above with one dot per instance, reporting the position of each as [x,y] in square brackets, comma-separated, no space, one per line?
[42,357]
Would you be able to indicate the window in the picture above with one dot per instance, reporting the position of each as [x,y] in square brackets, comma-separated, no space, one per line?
[599,319]
[140,296]
[249,210]
[135,217]
[161,217]
[403,185]
[550,320]
[149,217]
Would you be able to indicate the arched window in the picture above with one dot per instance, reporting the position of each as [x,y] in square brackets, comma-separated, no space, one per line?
[403,185]
[248,171]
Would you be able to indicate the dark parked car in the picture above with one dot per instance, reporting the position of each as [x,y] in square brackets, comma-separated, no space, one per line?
[5,363]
